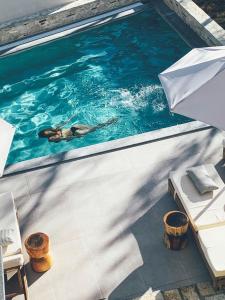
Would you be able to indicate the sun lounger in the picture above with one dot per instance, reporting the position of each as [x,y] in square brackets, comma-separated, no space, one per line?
[12,254]
[207,219]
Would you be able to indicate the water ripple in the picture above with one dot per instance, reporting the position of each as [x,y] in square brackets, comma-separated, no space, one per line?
[110,71]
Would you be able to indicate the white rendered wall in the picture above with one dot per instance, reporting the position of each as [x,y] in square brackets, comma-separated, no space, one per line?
[16,9]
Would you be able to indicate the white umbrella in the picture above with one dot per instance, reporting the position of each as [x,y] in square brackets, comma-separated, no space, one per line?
[195,85]
[6,136]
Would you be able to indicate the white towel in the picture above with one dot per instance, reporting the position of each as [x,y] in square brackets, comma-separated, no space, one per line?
[6,237]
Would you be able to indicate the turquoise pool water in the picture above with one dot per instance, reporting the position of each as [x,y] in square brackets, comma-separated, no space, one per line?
[109,71]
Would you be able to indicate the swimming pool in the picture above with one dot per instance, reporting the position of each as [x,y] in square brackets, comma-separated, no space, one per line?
[109,71]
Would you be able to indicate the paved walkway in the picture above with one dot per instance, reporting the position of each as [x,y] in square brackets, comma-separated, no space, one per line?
[104,218]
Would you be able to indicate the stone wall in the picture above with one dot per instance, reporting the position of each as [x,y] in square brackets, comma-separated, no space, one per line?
[53,18]
[209,31]
[16,9]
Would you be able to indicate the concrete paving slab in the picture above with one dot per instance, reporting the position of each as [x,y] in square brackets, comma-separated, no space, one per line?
[74,285]
[104,218]
[114,260]
[50,212]
[18,185]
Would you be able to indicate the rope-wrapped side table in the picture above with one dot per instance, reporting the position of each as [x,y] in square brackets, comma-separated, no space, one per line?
[37,246]
[176,227]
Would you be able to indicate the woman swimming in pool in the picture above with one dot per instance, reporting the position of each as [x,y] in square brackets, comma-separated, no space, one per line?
[77,130]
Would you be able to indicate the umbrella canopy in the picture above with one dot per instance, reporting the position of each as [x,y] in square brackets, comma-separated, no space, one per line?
[195,85]
[6,136]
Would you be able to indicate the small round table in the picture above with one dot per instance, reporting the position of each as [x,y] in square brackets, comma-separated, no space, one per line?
[37,246]
[176,227]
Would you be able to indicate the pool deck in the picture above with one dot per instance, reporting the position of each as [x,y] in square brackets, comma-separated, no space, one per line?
[104,218]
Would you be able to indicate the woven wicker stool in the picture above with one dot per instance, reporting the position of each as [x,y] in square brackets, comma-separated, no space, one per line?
[37,246]
[176,226]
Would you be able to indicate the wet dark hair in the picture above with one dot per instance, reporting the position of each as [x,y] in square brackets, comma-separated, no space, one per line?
[43,133]
[73,129]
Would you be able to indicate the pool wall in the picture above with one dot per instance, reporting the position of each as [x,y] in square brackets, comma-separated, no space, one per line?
[201,23]
[14,10]
[53,18]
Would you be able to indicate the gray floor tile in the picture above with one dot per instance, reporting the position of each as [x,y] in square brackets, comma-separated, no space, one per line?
[132,287]
[46,178]
[15,184]
[74,271]
[116,255]
[104,218]
[51,212]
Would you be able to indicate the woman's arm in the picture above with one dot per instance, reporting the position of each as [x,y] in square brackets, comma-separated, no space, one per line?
[60,125]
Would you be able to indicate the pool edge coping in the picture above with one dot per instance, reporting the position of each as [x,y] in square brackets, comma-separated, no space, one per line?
[105,147]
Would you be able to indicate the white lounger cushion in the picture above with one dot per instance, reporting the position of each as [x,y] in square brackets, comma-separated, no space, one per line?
[212,242]
[6,236]
[8,219]
[13,261]
[205,210]
[202,179]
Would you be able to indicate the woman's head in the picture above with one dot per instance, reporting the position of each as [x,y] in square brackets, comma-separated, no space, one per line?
[73,130]
[48,132]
